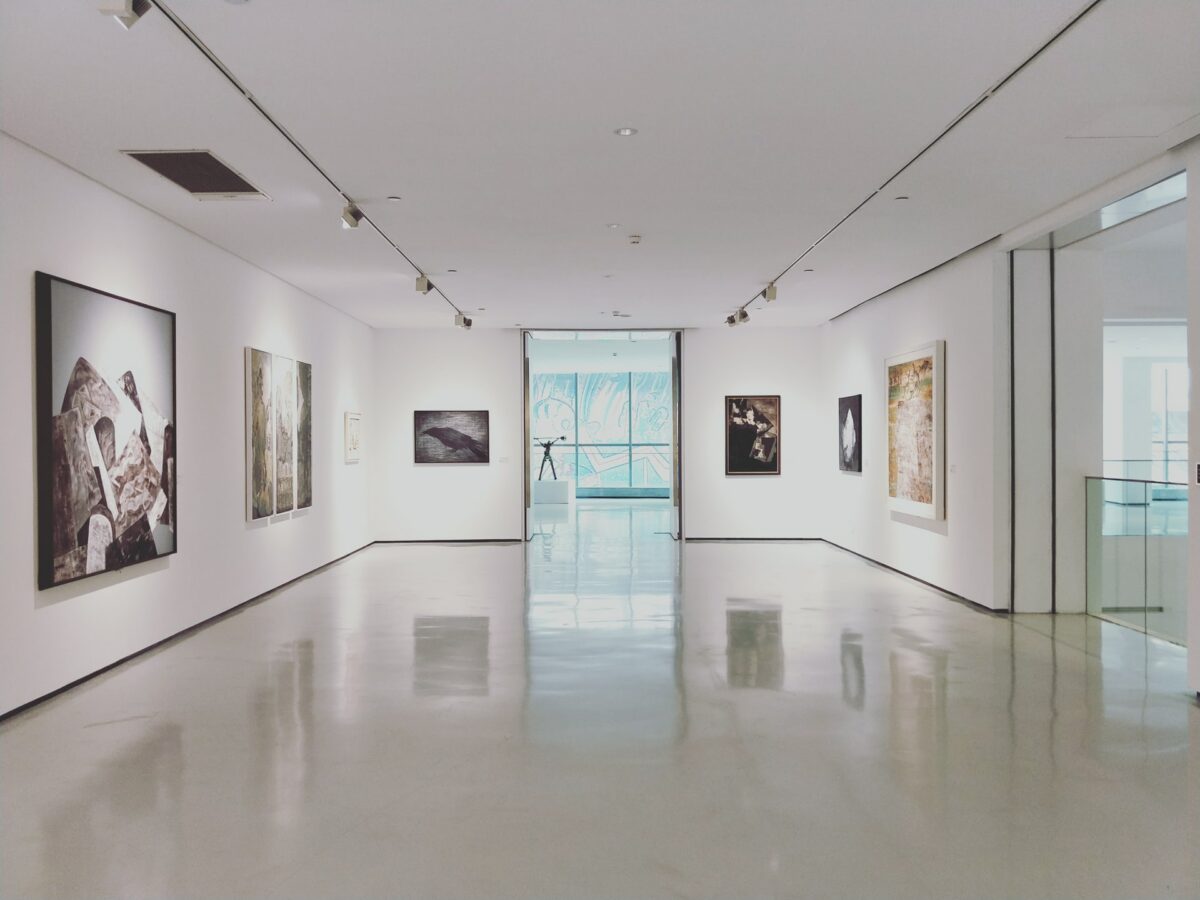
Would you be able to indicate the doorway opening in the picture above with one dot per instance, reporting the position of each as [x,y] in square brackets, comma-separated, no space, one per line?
[602,423]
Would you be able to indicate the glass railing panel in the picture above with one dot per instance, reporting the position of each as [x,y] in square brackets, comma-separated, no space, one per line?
[1137,534]
[1166,561]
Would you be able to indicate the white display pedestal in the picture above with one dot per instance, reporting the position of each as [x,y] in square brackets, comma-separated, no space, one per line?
[557,492]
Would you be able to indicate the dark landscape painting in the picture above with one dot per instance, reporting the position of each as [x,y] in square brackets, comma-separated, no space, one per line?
[850,433]
[105,429]
[260,433]
[303,435]
[752,435]
[450,437]
[285,434]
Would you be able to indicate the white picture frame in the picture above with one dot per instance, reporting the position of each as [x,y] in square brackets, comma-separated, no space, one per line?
[353,437]
[915,488]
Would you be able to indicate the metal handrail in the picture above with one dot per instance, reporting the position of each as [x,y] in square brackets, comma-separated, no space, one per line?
[1134,480]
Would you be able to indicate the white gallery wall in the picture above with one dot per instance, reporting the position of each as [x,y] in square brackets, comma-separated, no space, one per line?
[746,361]
[54,220]
[964,303]
[447,369]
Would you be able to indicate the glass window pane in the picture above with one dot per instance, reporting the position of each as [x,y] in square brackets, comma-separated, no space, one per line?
[604,408]
[652,467]
[651,407]
[601,467]
[552,406]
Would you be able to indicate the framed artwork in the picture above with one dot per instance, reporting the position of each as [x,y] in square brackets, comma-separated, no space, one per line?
[451,436]
[106,433]
[260,435]
[752,435]
[304,460]
[916,431]
[353,436]
[850,433]
[279,460]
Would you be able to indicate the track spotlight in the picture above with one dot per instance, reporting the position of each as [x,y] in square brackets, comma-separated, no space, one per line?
[424,285]
[769,293]
[462,321]
[127,12]
[742,316]
[730,321]
[351,216]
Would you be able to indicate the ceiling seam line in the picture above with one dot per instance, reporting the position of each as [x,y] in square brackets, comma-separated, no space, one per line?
[225,71]
[954,123]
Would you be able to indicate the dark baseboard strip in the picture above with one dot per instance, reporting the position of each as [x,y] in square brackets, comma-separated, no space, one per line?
[749,540]
[458,541]
[177,636]
[949,595]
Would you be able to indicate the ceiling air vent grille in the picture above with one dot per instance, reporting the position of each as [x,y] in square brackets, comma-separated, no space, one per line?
[199,173]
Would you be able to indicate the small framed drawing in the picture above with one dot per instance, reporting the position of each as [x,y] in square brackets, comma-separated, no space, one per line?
[917,431]
[353,437]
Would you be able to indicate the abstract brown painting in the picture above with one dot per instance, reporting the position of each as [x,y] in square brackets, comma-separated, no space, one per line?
[915,431]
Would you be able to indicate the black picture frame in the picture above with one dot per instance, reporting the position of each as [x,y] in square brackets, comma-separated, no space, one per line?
[44,414]
[452,437]
[753,449]
[850,458]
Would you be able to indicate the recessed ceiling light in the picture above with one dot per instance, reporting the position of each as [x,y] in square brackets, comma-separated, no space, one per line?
[808,270]
[625,131]
[613,225]
[902,197]
[481,309]
[452,270]
[394,198]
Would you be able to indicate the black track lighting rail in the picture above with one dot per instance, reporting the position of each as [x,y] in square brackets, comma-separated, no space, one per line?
[212,57]
[954,123]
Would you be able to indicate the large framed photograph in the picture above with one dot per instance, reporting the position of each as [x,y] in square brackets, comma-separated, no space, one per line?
[850,433]
[106,431]
[441,436]
[752,431]
[916,431]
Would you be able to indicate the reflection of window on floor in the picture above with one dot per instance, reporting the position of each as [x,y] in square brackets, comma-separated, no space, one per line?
[616,430]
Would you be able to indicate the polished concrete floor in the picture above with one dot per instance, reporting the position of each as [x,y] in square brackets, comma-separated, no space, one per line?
[586,717]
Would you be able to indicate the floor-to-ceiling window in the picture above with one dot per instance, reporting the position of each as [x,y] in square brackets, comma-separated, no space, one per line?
[613,431]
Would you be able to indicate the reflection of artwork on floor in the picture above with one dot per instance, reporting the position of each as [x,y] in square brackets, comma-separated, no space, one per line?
[450,656]
[752,435]
[260,433]
[850,433]
[754,648]
[285,433]
[450,437]
[106,433]
[353,437]
[304,495]
[279,460]
[915,435]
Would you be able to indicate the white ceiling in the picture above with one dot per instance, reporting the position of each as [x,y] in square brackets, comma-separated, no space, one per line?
[760,126]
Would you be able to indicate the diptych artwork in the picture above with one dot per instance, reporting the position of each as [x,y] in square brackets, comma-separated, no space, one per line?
[752,435]
[279,462]
[451,436]
[106,431]
[850,433]
[353,436]
[916,431]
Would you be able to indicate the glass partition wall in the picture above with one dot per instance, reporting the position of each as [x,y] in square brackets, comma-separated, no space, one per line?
[1120,309]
